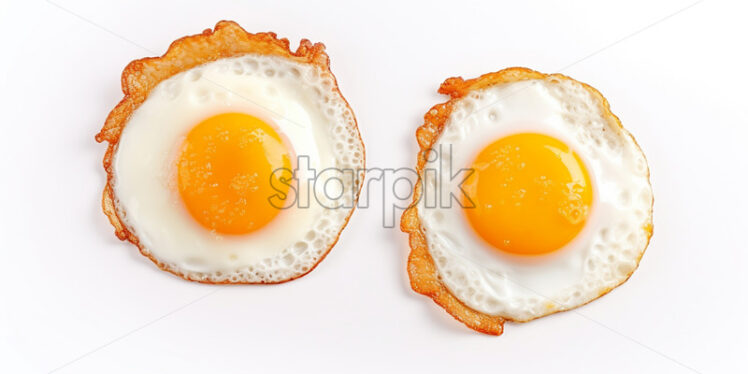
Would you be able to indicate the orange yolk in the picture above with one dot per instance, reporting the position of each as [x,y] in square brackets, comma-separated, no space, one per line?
[529,194]
[224,172]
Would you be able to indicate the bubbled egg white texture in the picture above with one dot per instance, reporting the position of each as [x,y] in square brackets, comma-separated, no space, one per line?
[301,102]
[603,254]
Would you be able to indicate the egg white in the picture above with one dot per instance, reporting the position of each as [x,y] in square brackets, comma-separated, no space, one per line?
[300,101]
[601,257]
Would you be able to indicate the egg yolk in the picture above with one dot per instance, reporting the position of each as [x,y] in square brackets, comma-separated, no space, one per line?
[529,194]
[224,172]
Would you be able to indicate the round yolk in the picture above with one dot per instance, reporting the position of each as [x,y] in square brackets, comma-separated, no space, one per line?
[225,169]
[529,194]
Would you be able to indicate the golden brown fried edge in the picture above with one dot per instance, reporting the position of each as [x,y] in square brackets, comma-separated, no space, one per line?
[422,271]
[227,39]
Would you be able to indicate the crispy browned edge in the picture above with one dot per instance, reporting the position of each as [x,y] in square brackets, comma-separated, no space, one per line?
[227,39]
[422,271]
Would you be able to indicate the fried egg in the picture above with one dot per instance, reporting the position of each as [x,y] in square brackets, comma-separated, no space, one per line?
[533,199]
[217,175]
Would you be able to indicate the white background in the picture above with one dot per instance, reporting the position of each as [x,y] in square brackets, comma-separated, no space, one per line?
[77,300]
